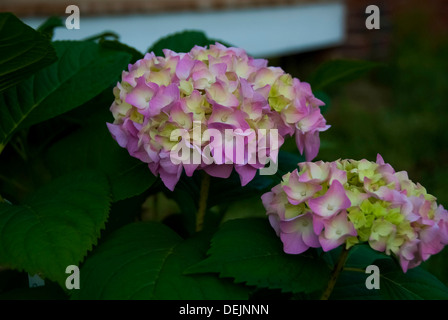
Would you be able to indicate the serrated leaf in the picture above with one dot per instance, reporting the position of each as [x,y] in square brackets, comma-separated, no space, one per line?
[119,46]
[83,70]
[146,261]
[56,226]
[351,285]
[362,255]
[48,26]
[415,284]
[23,52]
[249,251]
[339,71]
[181,42]
[223,192]
[93,147]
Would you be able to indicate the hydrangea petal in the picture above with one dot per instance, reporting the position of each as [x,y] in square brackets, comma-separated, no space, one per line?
[332,202]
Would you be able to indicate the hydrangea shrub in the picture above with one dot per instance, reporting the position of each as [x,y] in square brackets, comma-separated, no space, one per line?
[96,211]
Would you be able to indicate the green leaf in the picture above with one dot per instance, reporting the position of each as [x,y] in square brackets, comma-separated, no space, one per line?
[288,161]
[181,42]
[83,70]
[92,147]
[103,36]
[351,285]
[249,251]
[230,189]
[56,226]
[118,46]
[362,255]
[415,284]
[339,71]
[146,260]
[325,99]
[47,28]
[51,291]
[23,52]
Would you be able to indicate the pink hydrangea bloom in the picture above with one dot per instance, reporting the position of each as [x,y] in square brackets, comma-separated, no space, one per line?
[216,88]
[328,204]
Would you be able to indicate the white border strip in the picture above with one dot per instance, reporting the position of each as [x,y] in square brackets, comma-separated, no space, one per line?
[262,32]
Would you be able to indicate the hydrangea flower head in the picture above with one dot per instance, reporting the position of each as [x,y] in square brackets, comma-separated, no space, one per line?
[218,88]
[328,204]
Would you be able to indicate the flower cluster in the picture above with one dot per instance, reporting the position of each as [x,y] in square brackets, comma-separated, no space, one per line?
[328,204]
[210,88]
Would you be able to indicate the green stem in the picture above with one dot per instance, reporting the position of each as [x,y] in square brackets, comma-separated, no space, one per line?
[205,186]
[1,199]
[335,274]
[12,182]
[18,145]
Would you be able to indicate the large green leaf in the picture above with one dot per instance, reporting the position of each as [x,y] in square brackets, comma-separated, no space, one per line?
[93,147]
[183,42]
[56,226]
[83,70]
[119,46]
[48,26]
[362,255]
[146,260]
[223,192]
[416,283]
[249,251]
[23,51]
[339,71]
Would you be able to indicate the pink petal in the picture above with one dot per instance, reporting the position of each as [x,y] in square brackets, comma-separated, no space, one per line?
[293,243]
[219,94]
[332,202]
[318,224]
[118,134]
[312,145]
[315,172]
[190,168]
[163,97]
[266,199]
[379,159]
[274,221]
[170,177]
[246,172]
[330,244]
[184,67]
[299,192]
[337,174]
[219,171]
[226,117]
[141,94]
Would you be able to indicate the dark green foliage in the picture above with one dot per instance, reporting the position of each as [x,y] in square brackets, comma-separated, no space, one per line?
[79,199]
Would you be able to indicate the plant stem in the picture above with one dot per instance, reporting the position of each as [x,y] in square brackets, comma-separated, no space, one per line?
[1,199]
[205,185]
[335,274]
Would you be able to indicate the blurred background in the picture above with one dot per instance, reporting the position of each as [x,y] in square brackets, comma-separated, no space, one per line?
[399,110]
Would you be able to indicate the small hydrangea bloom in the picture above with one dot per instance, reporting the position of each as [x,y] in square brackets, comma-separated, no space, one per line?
[328,204]
[214,88]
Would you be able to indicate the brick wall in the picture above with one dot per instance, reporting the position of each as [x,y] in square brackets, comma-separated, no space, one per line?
[25,8]
[360,42]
